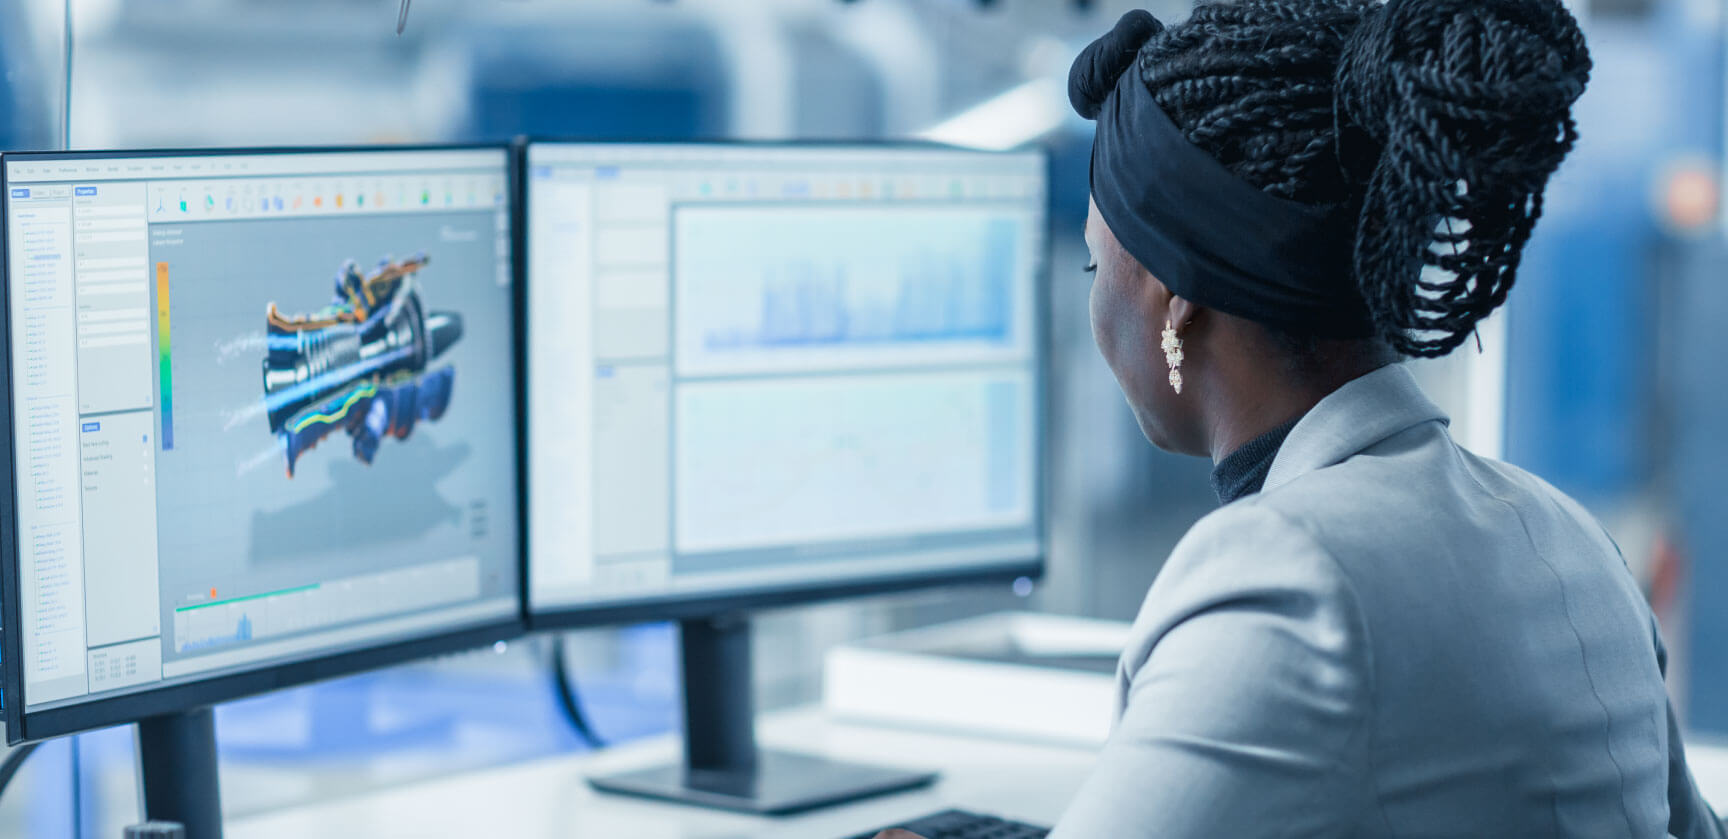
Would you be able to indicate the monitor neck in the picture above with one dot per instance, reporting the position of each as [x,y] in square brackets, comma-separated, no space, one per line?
[177,769]
[719,714]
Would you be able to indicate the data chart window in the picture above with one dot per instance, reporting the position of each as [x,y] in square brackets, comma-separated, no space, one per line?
[753,367]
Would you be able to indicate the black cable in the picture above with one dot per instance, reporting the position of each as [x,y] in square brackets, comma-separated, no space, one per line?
[77,786]
[568,700]
[14,760]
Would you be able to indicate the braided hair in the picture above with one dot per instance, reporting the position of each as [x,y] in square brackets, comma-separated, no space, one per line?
[1438,121]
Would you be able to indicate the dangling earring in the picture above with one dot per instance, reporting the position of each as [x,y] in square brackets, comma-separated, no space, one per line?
[1173,355]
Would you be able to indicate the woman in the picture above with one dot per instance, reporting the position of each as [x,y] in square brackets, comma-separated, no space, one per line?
[1379,634]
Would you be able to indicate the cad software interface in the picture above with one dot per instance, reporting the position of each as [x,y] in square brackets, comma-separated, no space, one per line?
[262,408]
[753,368]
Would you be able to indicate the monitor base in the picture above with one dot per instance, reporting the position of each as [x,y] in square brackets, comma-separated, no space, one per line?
[722,767]
[781,783]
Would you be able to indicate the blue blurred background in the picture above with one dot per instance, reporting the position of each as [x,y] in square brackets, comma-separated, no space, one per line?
[1603,375]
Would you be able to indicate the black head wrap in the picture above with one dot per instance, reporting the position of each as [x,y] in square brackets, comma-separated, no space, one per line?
[1099,66]
[1425,133]
[1206,234]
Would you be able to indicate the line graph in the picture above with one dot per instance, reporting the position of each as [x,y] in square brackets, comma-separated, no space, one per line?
[773,462]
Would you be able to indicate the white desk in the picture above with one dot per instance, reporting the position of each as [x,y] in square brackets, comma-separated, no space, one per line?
[549,798]
[1709,762]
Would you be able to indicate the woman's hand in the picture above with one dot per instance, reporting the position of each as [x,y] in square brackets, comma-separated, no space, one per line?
[897,833]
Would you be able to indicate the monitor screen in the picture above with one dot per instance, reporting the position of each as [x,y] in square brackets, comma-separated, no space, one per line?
[263,409]
[764,369]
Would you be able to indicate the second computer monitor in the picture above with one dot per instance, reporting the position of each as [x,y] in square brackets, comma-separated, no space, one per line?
[773,373]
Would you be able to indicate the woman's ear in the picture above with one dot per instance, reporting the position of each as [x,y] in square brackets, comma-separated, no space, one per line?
[1183,312]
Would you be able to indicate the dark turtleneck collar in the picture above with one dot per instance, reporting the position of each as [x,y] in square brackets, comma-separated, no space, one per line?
[1242,472]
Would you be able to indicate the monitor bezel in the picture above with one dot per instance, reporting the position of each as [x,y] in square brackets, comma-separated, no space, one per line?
[754,598]
[22,726]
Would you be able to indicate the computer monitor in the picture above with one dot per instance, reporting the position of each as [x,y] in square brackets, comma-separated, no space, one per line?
[769,374]
[262,411]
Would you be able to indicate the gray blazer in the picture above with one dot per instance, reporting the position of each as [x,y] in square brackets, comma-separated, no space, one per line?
[1394,638]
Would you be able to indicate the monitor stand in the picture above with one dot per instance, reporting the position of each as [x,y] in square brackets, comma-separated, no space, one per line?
[722,767]
[177,762]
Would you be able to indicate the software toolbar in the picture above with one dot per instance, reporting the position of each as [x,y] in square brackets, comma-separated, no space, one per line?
[127,167]
[238,198]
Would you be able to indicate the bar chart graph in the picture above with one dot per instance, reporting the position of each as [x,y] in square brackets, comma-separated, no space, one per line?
[220,624]
[770,289]
[933,297]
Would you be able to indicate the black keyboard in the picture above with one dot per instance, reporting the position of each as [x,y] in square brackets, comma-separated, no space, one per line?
[958,824]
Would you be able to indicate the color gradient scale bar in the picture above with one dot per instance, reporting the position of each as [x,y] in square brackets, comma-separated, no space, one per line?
[165,356]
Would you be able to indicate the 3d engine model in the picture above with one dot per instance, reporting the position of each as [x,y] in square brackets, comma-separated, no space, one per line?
[361,364]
